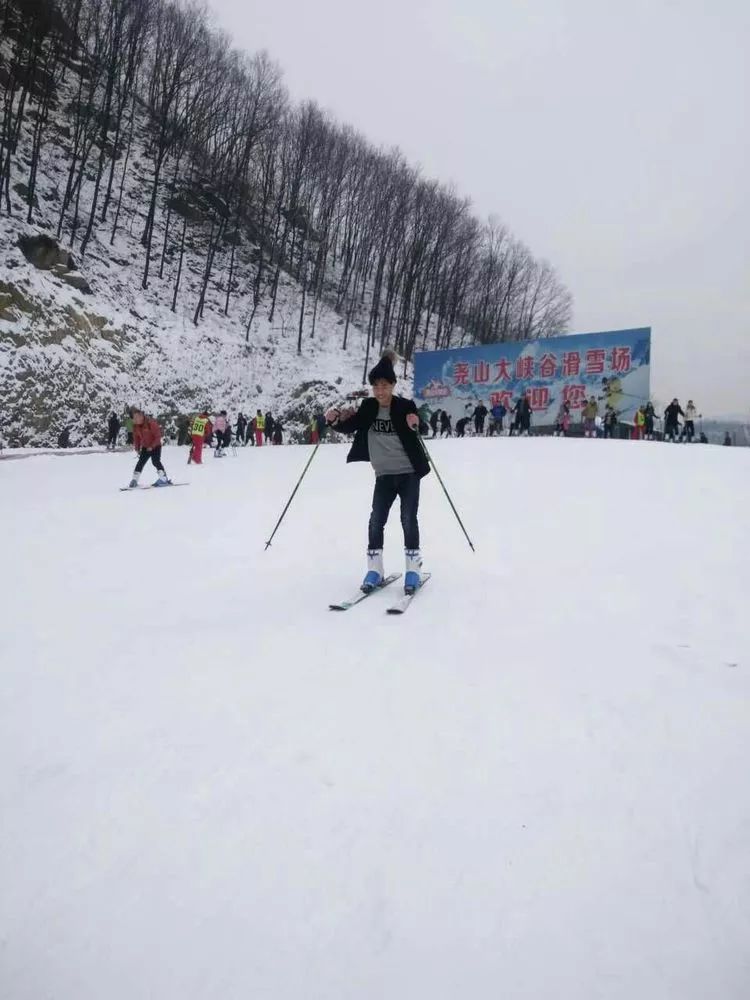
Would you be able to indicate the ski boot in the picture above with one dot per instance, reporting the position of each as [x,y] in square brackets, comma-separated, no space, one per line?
[374,575]
[133,484]
[162,480]
[413,575]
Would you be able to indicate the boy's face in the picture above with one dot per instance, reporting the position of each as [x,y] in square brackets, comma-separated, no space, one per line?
[382,390]
[138,418]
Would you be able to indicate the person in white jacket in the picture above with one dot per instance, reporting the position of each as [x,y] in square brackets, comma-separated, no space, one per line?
[690,414]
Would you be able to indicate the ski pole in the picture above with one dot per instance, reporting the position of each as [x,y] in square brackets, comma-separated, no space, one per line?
[447,494]
[289,501]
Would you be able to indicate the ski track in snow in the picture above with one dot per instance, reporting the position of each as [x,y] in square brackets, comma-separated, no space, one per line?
[534,785]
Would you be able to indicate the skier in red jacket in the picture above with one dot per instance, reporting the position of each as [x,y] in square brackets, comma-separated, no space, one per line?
[147,442]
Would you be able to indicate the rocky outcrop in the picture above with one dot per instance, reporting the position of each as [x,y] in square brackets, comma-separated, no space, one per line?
[44,252]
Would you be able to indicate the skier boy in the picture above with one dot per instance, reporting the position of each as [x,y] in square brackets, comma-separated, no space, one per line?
[147,442]
[385,434]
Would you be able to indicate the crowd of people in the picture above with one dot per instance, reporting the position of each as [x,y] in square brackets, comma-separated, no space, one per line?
[207,429]
[594,420]
[215,431]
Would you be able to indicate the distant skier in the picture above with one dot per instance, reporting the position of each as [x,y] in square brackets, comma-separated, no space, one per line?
[671,421]
[562,421]
[590,413]
[639,424]
[260,426]
[278,432]
[268,429]
[497,412]
[727,439]
[610,422]
[385,434]
[147,442]
[690,414]
[314,432]
[127,419]
[434,420]
[461,426]
[650,415]
[480,415]
[113,429]
[183,430]
[522,410]
[241,429]
[201,427]
[63,438]
[223,434]
[445,425]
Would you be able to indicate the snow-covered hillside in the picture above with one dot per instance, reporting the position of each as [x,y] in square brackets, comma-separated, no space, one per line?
[533,785]
[68,355]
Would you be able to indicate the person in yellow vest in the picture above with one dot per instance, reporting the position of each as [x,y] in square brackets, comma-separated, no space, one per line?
[639,422]
[314,432]
[201,429]
[260,426]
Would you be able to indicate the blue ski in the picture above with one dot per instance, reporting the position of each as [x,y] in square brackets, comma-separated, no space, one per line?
[361,595]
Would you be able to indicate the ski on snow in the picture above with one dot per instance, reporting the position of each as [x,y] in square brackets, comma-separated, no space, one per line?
[152,486]
[400,606]
[361,595]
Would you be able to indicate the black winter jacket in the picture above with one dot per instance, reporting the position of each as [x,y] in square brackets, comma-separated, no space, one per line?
[361,421]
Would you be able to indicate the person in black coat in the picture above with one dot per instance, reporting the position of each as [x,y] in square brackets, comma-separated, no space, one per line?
[241,429]
[113,429]
[480,414]
[385,429]
[671,423]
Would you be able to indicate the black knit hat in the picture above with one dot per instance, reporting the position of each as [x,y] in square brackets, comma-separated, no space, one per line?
[384,369]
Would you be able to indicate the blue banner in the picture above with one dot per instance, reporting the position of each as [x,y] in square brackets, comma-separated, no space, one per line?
[613,367]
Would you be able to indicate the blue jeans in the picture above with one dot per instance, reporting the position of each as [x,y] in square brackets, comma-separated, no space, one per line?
[387,488]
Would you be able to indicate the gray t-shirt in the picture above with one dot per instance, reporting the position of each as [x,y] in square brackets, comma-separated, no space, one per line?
[386,451]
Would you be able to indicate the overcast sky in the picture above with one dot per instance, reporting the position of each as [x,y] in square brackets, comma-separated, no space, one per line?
[611,137]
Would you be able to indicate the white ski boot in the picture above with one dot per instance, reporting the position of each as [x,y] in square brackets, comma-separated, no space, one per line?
[375,574]
[133,484]
[413,575]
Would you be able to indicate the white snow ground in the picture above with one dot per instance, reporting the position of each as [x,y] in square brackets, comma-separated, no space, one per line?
[533,785]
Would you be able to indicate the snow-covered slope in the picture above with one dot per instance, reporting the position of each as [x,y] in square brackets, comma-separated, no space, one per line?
[533,785]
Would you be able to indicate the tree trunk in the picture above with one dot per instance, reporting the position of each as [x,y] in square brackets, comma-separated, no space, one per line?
[124,173]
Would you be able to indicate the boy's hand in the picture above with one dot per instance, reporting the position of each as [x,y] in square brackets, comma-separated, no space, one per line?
[333,416]
[412,420]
